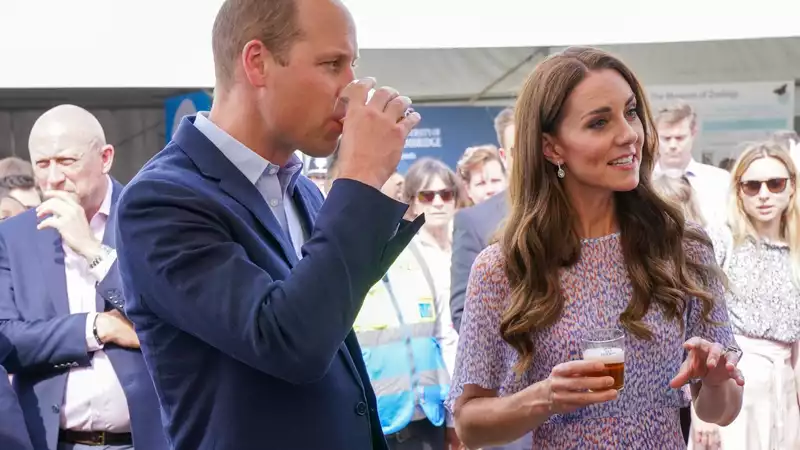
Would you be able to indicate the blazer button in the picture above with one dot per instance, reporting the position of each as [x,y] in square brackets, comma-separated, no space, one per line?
[56,409]
[361,408]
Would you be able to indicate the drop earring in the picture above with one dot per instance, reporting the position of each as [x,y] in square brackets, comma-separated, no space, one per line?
[560,172]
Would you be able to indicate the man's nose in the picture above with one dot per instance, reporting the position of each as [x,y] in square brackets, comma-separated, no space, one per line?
[55,177]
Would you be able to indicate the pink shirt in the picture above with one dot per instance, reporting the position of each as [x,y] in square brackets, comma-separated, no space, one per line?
[94,399]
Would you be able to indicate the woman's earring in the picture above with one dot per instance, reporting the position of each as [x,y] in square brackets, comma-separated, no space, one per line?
[560,172]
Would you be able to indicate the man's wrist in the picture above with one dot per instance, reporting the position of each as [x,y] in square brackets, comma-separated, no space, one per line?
[91,251]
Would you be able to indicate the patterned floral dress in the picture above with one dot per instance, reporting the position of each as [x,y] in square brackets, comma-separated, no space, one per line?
[597,289]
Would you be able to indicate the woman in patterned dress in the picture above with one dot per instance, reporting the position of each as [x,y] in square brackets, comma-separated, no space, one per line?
[588,245]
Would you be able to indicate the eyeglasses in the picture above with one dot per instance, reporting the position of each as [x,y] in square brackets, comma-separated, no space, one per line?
[429,196]
[753,187]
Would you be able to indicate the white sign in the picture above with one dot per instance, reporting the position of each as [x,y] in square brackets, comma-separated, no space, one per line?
[730,114]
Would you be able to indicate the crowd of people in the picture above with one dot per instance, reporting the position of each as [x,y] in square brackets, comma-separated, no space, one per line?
[223,300]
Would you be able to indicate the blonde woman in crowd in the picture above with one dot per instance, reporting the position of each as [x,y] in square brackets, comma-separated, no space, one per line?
[676,188]
[760,253]
[482,170]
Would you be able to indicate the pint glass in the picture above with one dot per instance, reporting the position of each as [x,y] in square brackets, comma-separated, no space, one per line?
[608,347]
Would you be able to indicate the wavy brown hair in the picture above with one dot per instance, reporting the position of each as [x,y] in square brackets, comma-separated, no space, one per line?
[540,238]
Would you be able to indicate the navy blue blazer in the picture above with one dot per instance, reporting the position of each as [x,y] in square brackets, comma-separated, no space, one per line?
[248,347]
[13,433]
[46,340]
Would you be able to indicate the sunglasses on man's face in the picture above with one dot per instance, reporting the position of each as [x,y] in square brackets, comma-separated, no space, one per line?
[429,196]
[753,187]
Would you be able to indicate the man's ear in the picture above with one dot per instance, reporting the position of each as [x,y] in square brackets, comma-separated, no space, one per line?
[256,62]
[551,149]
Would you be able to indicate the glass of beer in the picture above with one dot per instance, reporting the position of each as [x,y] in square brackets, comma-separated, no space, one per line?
[607,346]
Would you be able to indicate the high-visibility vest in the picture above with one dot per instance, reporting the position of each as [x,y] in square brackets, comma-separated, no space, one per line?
[396,329]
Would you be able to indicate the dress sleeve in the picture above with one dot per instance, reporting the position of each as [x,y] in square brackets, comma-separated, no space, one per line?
[480,359]
[719,330]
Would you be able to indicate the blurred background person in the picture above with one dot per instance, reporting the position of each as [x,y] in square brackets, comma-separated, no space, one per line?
[790,140]
[482,170]
[433,189]
[677,189]
[9,206]
[394,186]
[473,230]
[678,127]
[759,251]
[17,174]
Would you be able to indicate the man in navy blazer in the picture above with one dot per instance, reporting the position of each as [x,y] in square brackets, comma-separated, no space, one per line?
[243,286]
[78,372]
[13,433]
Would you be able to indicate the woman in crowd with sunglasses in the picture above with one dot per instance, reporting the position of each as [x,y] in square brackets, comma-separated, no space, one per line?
[760,253]
[404,325]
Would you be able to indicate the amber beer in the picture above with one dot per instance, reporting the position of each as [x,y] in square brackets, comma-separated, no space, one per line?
[614,361]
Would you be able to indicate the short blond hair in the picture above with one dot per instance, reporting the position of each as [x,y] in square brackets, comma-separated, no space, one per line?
[475,157]
[676,113]
[273,22]
[502,121]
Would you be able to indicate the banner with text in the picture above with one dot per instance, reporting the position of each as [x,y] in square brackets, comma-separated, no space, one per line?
[730,114]
[446,131]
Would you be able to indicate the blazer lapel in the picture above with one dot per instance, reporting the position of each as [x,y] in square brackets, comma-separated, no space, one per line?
[213,164]
[51,254]
[308,204]
[240,188]
[110,238]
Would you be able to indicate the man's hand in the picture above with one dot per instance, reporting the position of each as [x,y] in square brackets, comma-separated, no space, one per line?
[374,132]
[62,212]
[114,328]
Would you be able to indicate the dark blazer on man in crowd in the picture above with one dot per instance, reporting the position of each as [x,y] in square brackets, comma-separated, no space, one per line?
[47,341]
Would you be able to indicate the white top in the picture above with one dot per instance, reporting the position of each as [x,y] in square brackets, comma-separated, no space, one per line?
[94,399]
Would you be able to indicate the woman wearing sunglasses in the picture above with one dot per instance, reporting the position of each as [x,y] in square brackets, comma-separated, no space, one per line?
[760,254]
[404,326]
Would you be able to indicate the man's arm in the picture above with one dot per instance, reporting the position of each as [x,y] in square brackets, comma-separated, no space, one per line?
[177,257]
[57,343]
[466,247]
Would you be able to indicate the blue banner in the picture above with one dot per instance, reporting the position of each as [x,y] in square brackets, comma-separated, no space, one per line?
[175,108]
[446,131]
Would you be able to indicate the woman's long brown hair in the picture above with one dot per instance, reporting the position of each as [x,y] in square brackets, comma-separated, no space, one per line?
[540,237]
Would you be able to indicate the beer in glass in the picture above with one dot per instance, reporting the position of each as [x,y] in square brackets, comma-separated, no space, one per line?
[608,347]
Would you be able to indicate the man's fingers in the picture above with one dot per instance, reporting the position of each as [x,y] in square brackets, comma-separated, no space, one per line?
[382,98]
[397,107]
[55,206]
[354,95]
[410,121]
[50,222]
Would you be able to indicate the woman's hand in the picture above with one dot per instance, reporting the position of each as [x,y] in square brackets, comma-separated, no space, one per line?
[710,363]
[575,384]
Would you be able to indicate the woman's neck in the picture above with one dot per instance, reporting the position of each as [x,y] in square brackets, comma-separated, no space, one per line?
[595,213]
[770,231]
[440,235]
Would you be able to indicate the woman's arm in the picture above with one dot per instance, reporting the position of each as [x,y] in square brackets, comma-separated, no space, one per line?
[717,404]
[484,419]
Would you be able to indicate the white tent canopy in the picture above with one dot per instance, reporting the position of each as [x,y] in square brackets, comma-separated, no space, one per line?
[157,43]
